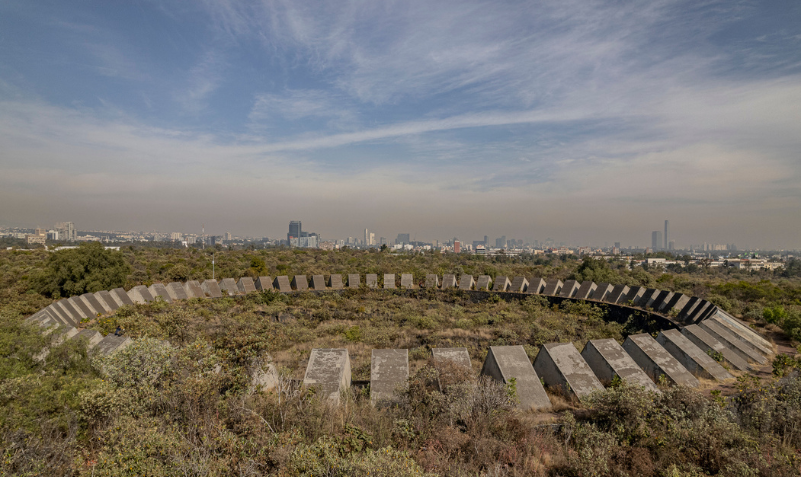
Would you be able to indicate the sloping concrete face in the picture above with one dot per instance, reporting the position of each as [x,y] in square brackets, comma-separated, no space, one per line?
[699,311]
[389,281]
[91,337]
[354,280]
[711,310]
[335,282]
[600,293]
[432,281]
[569,289]
[56,312]
[560,365]
[553,287]
[300,283]
[80,306]
[647,299]
[708,343]
[318,282]
[389,371]
[211,288]
[104,298]
[329,370]
[264,283]
[608,359]
[68,311]
[246,285]
[688,309]
[745,328]
[504,363]
[281,283]
[519,285]
[407,280]
[228,287]
[177,291]
[484,283]
[586,290]
[89,300]
[536,285]
[194,290]
[674,306]
[466,282]
[691,357]
[458,356]
[135,296]
[121,296]
[663,297]
[371,280]
[618,293]
[634,295]
[656,361]
[112,343]
[723,335]
[502,284]
[448,281]
[743,332]
[158,289]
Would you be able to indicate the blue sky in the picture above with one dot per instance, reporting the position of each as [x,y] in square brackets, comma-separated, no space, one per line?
[583,121]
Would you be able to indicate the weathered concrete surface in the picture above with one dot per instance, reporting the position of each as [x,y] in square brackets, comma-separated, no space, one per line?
[68,310]
[246,285]
[466,282]
[674,306]
[112,343]
[211,288]
[663,296]
[744,329]
[121,296]
[688,309]
[101,298]
[458,356]
[608,359]
[692,357]
[407,280]
[432,281]
[300,283]
[335,282]
[91,337]
[448,281]
[177,291]
[502,284]
[264,283]
[656,361]
[83,309]
[389,371]
[228,287]
[281,283]
[318,282]
[519,285]
[159,290]
[371,280]
[389,281]
[561,365]
[741,334]
[618,293]
[354,280]
[328,369]
[569,289]
[56,313]
[648,297]
[553,287]
[94,307]
[194,290]
[484,283]
[536,285]
[723,335]
[601,291]
[504,363]
[586,290]
[701,316]
[707,343]
[135,296]
[702,309]
[634,295]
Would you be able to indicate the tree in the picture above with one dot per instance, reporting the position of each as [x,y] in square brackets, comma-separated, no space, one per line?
[595,270]
[88,268]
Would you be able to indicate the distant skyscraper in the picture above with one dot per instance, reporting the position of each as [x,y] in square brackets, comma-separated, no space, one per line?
[666,234]
[500,242]
[656,240]
[366,237]
[295,229]
[486,241]
[457,247]
[617,244]
[672,245]
[371,239]
[66,231]
[402,238]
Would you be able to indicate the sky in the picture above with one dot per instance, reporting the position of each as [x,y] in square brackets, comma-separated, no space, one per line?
[588,122]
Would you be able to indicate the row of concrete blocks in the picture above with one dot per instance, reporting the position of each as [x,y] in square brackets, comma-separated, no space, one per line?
[93,340]
[680,357]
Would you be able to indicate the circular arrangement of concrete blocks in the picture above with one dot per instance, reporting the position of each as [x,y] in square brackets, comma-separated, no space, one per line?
[679,355]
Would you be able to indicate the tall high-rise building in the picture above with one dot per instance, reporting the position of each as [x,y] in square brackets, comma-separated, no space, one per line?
[666,235]
[486,241]
[366,238]
[500,242]
[66,231]
[371,239]
[295,230]
[457,247]
[656,240]
[402,239]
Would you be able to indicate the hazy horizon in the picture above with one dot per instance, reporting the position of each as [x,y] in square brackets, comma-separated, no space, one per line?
[587,122]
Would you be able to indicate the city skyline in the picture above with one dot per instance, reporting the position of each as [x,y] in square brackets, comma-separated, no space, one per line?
[580,121]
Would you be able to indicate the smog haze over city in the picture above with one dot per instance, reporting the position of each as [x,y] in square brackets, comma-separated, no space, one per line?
[583,121]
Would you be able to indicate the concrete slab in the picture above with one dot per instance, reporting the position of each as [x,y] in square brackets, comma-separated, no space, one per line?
[211,288]
[264,283]
[688,309]
[484,283]
[519,285]
[389,281]
[502,284]
[56,313]
[329,371]
[83,309]
[743,328]
[371,280]
[608,359]
[158,289]
[228,287]
[193,289]
[281,283]
[354,280]
[656,361]
[62,334]
[300,283]
[708,343]
[389,371]
[617,294]
[246,285]
[700,364]
[674,306]
[140,294]
[407,280]
[586,290]
[121,296]
[560,365]
[633,296]
[111,344]
[536,285]
[722,334]
[466,282]
[553,287]
[90,302]
[504,363]
[432,281]
[335,282]
[663,297]
[647,299]
[91,337]
[448,281]
[68,311]
[739,333]
[177,291]
[569,289]
[105,301]
[601,291]
[318,282]
[701,316]
[458,356]
[700,310]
